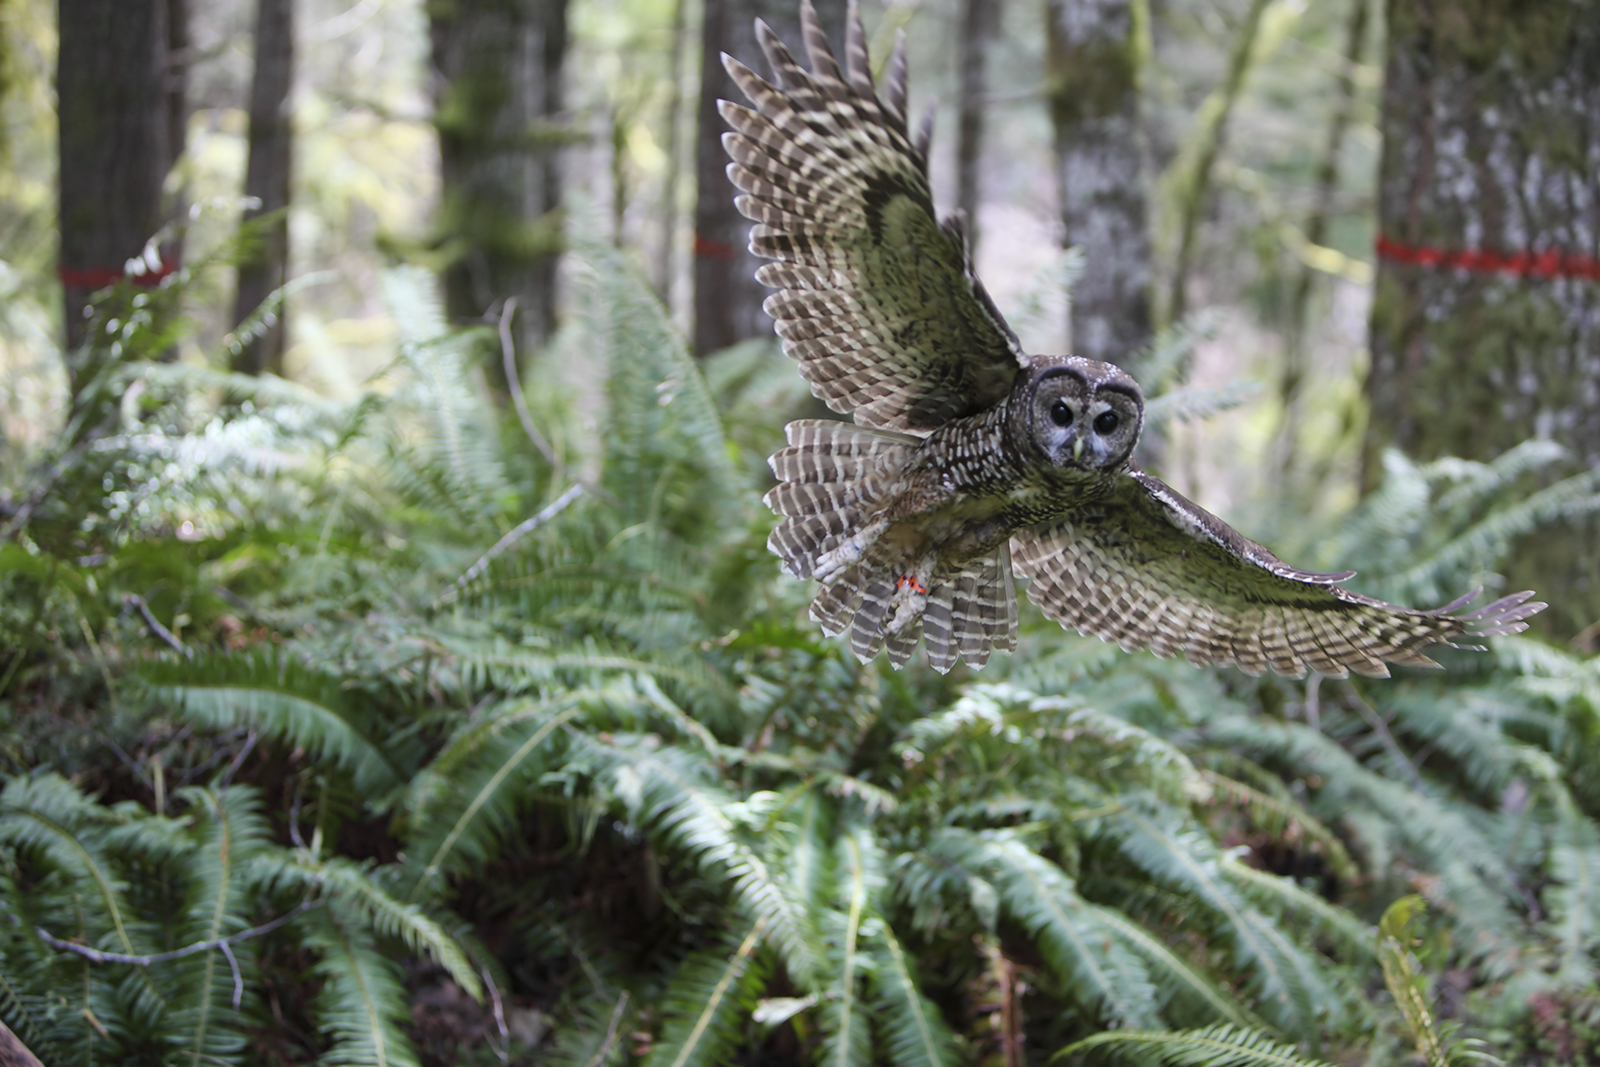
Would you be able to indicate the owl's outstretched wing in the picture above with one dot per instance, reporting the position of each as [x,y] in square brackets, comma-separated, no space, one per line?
[875,299]
[1146,568]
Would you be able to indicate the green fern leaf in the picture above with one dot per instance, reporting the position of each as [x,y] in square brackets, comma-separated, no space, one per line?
[285,700]
[1215,1046]
[708,999]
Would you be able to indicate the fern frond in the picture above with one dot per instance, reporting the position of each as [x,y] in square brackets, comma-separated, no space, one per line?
[1096,969]
[1173,976]
[362,1005]
[1407,984]
[478,805]
[1193,404]
[669,793]
[1290,988]
[1215,1046]
[913,1028]
[1277,814]
[703,1007]
[285,700]
[1283,894]
[353,884]
[846,1028]
[48,813]
[232,831]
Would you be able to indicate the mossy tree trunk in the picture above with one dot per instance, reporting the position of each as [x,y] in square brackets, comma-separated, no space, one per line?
[727,298]
[1092,81]
[265,266]
[1486,320]
[120,84]
[498,66]
[979,21]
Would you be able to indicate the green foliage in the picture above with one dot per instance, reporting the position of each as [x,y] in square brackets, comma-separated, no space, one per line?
[268,657]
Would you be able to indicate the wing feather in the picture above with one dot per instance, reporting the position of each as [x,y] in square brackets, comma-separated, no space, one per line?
[1146,568]
[877,302]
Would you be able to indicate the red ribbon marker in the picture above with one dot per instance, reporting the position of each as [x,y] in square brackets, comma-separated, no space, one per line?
[102,277]
[707,248]
[1551,264]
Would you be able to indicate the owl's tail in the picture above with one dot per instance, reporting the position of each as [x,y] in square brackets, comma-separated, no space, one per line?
[831,479]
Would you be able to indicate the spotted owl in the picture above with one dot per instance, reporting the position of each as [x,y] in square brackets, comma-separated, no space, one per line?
[970,461]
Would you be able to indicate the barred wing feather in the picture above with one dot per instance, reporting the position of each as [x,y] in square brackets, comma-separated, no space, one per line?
[875,299]
[1146,568]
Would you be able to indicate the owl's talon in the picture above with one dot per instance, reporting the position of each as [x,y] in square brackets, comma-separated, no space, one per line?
[831,565]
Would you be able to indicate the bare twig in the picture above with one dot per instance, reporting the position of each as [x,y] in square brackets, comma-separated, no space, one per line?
[504,1051]
[14,1052]
[94,955]
[1381,728]
[508,354]
[1314,702]
[238,979]
[294,816]
[134,600]
[238,761]
[520,531]
[611,1031]
[24,512]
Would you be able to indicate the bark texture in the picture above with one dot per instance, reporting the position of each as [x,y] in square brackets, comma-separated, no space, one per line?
[265,266]
[727,298]
[1093,85]
[979,21]
[498,112]
[120,103]
[1491,125]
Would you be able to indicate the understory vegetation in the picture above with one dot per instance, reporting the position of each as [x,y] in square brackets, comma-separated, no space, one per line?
[413,731]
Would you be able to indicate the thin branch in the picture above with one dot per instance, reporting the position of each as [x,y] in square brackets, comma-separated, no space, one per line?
[504,1051]
[94,955]
[1314,702]
[294,816]
[1381,728]
[238,979]
[136,601]
[611,1031]
[238,761]
[518,532]
[508,354]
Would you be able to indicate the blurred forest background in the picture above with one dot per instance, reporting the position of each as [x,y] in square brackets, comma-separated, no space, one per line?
[392,670]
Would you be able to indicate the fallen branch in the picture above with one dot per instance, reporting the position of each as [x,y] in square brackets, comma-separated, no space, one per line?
[94,955]
[136,601]
[518,532]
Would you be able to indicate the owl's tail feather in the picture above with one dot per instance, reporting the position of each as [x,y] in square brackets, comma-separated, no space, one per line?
[831,478]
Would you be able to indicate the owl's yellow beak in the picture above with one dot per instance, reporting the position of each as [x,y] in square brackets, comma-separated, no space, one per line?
[1077,450]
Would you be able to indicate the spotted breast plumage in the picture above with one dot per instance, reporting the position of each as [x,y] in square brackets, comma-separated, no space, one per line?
[971,461]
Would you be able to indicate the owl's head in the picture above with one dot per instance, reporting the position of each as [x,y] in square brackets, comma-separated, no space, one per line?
[1083,414]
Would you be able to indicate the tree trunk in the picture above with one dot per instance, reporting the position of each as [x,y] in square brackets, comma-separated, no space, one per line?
[498,114]
[120,103]
[727,298]
[661,266]
[979,21]
[1092,81]
[1486,316]
[1295,366]
[265,266]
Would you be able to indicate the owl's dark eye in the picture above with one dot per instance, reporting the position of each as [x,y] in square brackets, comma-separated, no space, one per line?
[1061,413]
[1105,422]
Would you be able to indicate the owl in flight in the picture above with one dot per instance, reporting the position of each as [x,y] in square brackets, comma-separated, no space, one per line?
[970,460]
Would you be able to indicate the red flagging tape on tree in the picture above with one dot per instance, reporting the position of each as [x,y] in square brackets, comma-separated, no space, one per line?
[708,248]
[101,277]
[1523,264]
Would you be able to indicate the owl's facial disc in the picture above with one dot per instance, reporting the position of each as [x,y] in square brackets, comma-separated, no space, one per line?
[1087,417]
